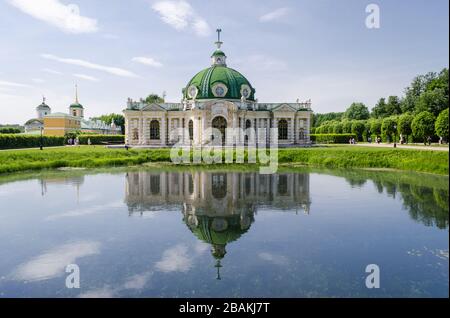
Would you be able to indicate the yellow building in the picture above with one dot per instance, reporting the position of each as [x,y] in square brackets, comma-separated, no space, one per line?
[58,124]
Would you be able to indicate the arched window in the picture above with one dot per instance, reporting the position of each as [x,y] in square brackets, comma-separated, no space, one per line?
[283,129]
[220,123]
[248,125]
[191,130]
[154,130]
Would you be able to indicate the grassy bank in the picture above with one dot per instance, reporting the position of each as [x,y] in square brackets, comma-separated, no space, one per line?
[330,157]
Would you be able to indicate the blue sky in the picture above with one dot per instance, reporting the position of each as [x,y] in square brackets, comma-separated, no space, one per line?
[313,49]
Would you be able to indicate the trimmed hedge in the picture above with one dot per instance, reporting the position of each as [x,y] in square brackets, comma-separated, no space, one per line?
[14,141]
[101,139]
[10,131]
[332,138]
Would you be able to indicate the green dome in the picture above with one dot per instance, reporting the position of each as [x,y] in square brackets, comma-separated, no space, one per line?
[218,53]
[76,105]
[43,106]
[218,230]
[226,82]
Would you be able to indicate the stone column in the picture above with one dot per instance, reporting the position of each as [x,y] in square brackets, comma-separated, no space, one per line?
[127,129]
[275,125]
[183,126]
[307,138]
[141,127]
[145,132]
[169,130]
[292,135]
[162,131]
[204,127]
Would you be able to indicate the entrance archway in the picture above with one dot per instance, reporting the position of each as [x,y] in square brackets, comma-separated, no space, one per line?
[220,123]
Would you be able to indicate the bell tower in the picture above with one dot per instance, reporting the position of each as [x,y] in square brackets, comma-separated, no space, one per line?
[76,109]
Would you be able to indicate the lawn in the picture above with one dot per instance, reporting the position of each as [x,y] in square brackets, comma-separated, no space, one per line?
[330,157]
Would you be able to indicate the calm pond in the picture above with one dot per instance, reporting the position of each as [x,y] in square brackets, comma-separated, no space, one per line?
[198,233]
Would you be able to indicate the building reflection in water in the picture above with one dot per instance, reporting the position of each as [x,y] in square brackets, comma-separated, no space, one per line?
[76,182]
[218,208]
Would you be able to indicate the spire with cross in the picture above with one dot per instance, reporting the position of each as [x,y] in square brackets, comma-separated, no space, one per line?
[218,43]
[218,57]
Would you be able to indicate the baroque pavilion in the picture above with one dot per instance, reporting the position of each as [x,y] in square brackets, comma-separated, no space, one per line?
[216,97]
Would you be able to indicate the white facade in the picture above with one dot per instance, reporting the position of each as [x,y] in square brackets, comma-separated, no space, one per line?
[157,124]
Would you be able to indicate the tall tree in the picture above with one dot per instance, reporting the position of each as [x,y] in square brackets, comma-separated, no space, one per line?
[357,111]
[346,126]
[154,98]
[404,124]
[423,125]
[389,128]
[375,126]
[380,109]
[441,125]
[433,101]
[413,92]
[393,106]
[337,128]
[118,119]
[319,119]
[358,128]
[441,81]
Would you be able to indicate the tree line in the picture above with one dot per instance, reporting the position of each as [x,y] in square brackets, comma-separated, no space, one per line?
[420,114]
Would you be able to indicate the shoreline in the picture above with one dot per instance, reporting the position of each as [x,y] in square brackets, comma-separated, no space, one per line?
[331,157]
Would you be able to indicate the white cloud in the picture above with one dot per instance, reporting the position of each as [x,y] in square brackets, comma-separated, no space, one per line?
[14,84]
[274,15]
[175,259]
[38,80]
[108,69]
[147,61]
[137,281]
[87,77]
[53,12]
[273,258]
[53,262]
[50,71]
[105,292]
[181,16]
[86,211]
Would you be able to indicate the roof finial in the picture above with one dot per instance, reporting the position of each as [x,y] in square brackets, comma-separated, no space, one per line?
[218,266]
[43,99]
[218,43]
[76,93]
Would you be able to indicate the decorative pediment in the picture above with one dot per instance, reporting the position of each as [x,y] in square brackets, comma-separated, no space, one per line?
[153,107]
[284,108]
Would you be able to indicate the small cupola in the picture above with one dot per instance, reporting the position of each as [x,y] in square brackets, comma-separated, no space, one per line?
[219,57]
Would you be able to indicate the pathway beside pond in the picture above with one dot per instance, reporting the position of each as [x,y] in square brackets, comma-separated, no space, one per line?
[436,148]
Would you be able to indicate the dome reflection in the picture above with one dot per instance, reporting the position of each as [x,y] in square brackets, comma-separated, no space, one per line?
[218,208]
